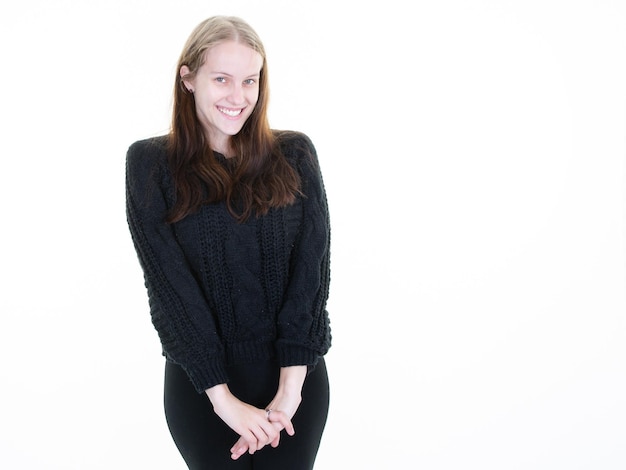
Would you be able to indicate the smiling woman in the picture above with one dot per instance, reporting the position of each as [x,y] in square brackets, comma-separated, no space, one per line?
[226,89]
[230,222]
[228,51]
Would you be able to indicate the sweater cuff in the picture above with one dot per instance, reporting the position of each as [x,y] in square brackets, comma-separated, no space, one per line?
[294,355]
[204,376]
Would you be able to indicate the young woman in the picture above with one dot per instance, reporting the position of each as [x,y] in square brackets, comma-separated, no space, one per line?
[230,222]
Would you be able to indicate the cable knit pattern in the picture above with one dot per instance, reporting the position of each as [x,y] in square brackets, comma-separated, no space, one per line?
[222,292]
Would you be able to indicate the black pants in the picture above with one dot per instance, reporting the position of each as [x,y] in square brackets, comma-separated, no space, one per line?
[204,440]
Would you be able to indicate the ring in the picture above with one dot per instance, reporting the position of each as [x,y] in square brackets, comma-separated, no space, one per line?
[268,411]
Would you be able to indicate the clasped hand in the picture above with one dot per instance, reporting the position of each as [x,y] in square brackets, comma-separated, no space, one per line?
[255,426]
[268,434]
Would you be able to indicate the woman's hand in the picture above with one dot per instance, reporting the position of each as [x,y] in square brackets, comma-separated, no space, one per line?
[249,422]
[281,409]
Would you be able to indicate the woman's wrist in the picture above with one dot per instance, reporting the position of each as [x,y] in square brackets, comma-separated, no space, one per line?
[292,379]
[218,394]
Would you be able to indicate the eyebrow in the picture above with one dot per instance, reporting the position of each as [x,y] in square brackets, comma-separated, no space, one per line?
[229,75]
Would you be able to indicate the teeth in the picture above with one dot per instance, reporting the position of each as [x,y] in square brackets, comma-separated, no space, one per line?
[230,112]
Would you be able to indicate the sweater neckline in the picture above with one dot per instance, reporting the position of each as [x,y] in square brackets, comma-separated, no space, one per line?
[221,156]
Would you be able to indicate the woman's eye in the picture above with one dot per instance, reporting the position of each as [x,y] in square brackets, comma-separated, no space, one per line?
[250,81]
[220,80]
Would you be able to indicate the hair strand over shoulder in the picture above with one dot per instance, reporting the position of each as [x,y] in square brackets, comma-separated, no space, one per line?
[262,177]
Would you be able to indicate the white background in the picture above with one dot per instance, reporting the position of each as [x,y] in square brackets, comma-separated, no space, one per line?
[473,154]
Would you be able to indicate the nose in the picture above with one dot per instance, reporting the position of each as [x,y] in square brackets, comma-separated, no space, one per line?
[236,95]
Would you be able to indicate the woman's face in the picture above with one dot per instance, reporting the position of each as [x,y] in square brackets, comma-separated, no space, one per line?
[226,89]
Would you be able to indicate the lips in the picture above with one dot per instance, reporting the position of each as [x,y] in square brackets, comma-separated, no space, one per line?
[230,112]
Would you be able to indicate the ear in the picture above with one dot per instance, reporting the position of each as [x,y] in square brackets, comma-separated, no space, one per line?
[184,71]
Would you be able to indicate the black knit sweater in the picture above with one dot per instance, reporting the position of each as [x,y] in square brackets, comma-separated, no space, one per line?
[223,292]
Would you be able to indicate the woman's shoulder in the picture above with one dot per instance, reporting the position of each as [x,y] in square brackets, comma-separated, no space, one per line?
[152,147]
[295,145]
[146,164]
[147,154]
[291,138]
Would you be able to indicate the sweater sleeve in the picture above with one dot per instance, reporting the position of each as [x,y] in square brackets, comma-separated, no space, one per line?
[303,323]
[178,308]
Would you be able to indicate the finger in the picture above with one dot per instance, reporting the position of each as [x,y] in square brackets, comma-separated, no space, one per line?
[240,448]
[278,427]
[276,441]
[280,417]
[265,434]
[272,430]
[240,443]
[251,441]
[238,453]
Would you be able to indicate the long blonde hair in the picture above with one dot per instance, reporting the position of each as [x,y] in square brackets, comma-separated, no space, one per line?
[262,177]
